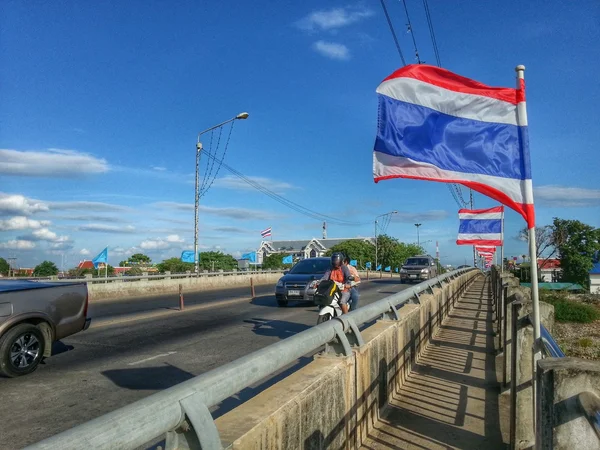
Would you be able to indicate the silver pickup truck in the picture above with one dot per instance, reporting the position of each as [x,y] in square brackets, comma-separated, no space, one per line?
[35,314]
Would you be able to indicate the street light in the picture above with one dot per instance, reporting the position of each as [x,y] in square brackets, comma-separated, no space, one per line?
[418,240]
[243,115]
[381,215]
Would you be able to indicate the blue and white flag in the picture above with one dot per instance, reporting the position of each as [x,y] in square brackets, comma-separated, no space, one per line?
[288,260]
[378,267]
[353,262]
[368,265]
[388,268]
[187,256]
[101,258]
[250,256]
[480,226]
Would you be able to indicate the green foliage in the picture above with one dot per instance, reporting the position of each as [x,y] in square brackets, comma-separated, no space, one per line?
[566,310]
[175,265]
[576,243]
[391,252]
[45,269]
[137,259]
[216,260]
[274,261]
[362,251]
[585,342]
[4,267]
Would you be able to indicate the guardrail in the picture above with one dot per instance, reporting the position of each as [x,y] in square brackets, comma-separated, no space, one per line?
[162,276]
[186,406]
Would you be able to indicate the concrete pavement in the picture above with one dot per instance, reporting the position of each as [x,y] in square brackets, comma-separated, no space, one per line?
[104,368]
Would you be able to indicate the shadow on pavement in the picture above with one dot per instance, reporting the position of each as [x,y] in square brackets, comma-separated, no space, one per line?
[277,328]
[148,378]
[59,347]
[269,300]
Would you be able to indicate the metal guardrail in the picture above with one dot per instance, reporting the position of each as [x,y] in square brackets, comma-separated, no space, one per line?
[162,276]
[549,346]
[185,406]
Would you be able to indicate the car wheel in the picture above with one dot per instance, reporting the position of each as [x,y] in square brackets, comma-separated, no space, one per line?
[324,318]
[21,350]
[282,303]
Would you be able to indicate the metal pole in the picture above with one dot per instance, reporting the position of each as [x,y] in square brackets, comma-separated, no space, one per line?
[502,247]
[196,199]
[471,207]
[535,295]
[376,255]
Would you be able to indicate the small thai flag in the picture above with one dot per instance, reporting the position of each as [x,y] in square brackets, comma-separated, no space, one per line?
[480,226]
[266,233]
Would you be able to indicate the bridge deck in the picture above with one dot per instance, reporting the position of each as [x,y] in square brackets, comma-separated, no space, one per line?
[451,398]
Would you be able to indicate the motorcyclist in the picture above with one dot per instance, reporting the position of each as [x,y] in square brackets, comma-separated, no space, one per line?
[339,273]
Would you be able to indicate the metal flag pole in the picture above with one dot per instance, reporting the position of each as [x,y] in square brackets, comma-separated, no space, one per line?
[535,295]
[502,246]
[196,200]
[106,265]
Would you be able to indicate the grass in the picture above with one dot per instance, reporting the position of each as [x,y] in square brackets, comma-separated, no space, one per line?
[566,310]
[586,342]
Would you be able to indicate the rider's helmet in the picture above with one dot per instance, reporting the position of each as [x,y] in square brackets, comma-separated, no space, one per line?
[336,259]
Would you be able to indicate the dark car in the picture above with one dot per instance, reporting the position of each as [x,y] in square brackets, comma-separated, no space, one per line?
[418,268]
[299,282]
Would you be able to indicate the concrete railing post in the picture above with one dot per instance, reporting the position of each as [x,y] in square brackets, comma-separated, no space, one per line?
[568,402]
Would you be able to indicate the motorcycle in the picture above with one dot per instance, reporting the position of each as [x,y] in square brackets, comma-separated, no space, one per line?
[328,296]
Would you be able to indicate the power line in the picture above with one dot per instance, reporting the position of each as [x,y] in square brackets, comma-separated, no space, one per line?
[290,204]
[387,16]
[411,32]
[432,33]
[208,184]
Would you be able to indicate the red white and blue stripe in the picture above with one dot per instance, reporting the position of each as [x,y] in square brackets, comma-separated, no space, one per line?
[480,227]
[266,233]
[439,126]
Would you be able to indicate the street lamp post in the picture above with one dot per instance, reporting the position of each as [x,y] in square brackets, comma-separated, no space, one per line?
[418,240]
[376,242]
[243,115]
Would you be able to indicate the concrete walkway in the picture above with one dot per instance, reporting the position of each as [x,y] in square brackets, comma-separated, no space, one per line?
[450,400]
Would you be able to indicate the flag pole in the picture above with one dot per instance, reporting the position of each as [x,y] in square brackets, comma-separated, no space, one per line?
[535,295]
[502,246]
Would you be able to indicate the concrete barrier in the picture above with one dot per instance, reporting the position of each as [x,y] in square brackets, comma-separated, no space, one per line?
[334,402]
[165,286]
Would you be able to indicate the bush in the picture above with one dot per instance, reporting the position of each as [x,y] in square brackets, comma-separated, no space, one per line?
[570,311]
[585,342]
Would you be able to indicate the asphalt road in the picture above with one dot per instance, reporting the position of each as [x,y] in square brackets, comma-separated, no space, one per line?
[126,356]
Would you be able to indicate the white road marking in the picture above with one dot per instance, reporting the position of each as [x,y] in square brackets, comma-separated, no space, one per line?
[151,358]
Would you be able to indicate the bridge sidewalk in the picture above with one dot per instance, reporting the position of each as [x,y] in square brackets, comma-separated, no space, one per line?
[450,400]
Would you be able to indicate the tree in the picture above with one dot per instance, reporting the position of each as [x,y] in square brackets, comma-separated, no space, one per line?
[4,267]
[98,272]
[139,259]
[216,261]
[577,244]
[45,269]
[175,265]
[362,251]
[544,242]
[275,261]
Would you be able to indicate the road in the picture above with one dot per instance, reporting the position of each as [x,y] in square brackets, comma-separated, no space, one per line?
[125,356]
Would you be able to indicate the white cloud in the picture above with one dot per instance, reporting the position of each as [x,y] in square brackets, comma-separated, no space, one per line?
[105,228]
[45,235]
[22,223]
[19,204]
[410,217]
[332,19]
[232,182]
[17,244]
[229,212]
[54,162]
[85,252]
[332,50]
[160,169]
[88,206]
[174,238]
[566,196]
[120,251]
[170,241]
[232,230]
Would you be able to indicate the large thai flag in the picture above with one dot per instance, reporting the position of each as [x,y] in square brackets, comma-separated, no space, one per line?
[480,226]
[439,126]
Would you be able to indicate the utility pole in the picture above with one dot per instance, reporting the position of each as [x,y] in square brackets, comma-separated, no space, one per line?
[11,270]
[418,238]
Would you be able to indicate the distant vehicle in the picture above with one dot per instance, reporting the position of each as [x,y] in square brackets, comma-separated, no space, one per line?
[33,315]
[299,283]
[418,268]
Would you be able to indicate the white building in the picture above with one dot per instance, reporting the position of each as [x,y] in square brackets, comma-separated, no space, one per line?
[301,249]
[595,279]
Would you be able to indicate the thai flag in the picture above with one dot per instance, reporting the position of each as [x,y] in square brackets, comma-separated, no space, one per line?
[266,233]
[480,226]
[439,126]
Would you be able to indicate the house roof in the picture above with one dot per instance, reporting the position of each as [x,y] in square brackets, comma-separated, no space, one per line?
[595,269]
[549,263]
[300,245]
[86,264]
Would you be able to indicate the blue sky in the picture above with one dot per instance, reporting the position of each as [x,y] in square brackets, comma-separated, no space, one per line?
[101,105]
